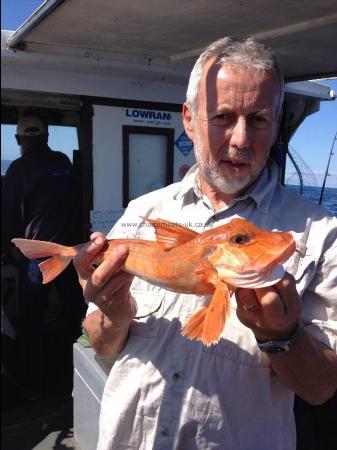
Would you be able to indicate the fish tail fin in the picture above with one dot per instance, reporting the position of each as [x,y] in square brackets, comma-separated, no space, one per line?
[207,324]
[60,256]
[52,267]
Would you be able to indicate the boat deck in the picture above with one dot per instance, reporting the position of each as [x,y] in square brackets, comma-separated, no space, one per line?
[40,424]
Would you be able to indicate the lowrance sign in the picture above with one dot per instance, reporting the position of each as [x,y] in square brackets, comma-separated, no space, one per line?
[157,118]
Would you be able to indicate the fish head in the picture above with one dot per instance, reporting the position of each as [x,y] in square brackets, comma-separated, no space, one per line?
[247,256]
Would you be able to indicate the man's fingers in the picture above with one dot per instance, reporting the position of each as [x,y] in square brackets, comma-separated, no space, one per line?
[271,312]
[83,260]
[281,298]
[101,277]
[283,286]
[109,267]
[119,307]
[270,301]
[286,289]
[266,299]
[246,300]
[101,294]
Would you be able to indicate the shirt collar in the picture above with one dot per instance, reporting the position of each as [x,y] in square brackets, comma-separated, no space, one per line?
[261,191]
[189,183]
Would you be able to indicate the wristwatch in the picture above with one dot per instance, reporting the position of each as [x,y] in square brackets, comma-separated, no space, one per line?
[275,347]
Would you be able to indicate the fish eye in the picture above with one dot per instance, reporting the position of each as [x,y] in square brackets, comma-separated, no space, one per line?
[239,239]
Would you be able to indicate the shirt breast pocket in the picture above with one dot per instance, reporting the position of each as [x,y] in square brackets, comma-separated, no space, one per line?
[150,303]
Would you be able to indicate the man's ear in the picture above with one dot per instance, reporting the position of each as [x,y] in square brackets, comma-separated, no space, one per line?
[188,121]
[18,139]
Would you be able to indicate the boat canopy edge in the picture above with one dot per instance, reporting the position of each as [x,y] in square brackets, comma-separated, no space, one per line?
[43,10]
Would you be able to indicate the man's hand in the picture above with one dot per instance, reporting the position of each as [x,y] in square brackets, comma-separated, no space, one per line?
[108,287]
[272,313]
[310,367]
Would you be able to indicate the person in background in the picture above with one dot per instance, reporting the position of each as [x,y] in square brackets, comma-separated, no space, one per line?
[42,201]
[165,391]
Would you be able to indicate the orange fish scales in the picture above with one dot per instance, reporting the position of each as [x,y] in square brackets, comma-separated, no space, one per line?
[215,262]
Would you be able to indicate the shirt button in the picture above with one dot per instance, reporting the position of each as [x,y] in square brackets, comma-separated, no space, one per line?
[175,376]
[165,432]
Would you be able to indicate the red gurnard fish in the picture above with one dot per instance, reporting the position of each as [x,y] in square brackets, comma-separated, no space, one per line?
[215,262]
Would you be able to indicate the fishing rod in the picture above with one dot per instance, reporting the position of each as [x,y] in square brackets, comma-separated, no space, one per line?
[327,170]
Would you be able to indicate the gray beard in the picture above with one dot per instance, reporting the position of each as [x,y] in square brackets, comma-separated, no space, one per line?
[221,184]
[216,179]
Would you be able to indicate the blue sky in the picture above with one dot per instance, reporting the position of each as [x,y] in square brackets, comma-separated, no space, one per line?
[15,12]
[314,138]
[312,141]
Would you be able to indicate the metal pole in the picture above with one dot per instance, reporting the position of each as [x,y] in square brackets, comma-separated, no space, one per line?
[327,170]
[298,170]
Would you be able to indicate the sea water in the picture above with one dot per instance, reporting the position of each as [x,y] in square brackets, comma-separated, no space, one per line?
[313,193]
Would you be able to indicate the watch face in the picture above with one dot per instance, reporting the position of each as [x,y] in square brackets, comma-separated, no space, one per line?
[274,347]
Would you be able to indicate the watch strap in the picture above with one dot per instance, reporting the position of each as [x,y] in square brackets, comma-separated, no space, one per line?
[281,346]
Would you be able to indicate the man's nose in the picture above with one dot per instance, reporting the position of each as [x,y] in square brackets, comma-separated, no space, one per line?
[240,134]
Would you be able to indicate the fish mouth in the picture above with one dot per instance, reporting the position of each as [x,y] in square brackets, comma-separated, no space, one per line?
[252,279]
[279,259]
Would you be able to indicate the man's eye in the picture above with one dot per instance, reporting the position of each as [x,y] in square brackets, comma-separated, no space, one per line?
[223,118]
[259,121]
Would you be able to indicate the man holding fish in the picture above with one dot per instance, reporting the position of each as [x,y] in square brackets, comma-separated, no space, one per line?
[217,330]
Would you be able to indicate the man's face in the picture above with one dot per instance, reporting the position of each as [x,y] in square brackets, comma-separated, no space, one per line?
[235,125]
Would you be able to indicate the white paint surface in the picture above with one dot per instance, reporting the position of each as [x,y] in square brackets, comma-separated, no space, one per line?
[108,152]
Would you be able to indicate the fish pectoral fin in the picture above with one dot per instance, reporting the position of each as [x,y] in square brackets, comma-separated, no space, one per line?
[170,234]
[194,326]
[217,313]
[207,324]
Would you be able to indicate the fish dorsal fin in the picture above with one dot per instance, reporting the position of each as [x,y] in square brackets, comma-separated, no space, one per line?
[170,234]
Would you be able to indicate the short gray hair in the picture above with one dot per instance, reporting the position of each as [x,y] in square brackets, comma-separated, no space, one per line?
[238,53]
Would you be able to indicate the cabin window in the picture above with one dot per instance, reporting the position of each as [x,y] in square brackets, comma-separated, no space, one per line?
[61,138]
[148,160]
[9,148]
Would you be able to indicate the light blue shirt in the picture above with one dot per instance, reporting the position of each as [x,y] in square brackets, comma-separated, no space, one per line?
[165,392]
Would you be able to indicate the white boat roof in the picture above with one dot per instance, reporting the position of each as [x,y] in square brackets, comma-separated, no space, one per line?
[169,34]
